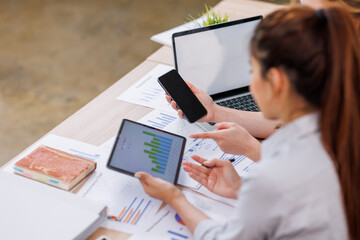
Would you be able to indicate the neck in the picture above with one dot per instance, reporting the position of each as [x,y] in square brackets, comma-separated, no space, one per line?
[297,112]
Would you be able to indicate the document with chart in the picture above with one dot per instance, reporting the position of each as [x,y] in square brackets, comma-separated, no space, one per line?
[206,148]
[169,225]
[129,207]
[147,91]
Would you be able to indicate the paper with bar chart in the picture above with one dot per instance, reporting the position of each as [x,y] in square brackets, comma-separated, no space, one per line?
[147,91]
[170,121]
[133,212]
[206,148]
[128,205]
[169,225]
[160,119]
[142,148]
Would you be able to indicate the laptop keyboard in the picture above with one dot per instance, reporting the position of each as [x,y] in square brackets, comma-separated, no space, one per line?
[245,103]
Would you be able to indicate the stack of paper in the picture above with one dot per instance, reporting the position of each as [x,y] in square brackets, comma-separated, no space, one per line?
[30,210]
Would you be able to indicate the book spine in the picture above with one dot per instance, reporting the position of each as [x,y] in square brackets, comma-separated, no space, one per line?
[42,178]
[82,176]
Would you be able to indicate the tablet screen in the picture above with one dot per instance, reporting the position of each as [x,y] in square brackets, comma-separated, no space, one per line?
[143,148]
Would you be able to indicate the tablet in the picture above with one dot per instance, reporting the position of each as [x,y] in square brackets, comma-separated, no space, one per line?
[139,147]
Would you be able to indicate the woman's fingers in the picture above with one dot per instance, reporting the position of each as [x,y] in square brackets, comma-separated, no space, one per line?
[212,135]
[145,178]
[192,87]
[168,98]
[224,125]
[173,105]
[206,163]
[198,159]
[200,180]
[147,181]
[190,167]
[181,114]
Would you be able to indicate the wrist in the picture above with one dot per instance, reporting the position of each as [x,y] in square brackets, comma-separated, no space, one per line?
[177,195]
[216,113]
[253,149]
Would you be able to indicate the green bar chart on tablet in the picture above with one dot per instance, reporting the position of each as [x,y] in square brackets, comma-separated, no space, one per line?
[158,150]
[140,148]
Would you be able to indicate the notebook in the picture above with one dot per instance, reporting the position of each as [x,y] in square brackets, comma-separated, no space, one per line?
[54,167]
[216,59]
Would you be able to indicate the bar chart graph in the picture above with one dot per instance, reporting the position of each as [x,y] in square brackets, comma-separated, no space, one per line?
[132,213]
[238,159]
[148,95]
[177,235]
[158,150]
[147,91]
[161,121]
[242,164]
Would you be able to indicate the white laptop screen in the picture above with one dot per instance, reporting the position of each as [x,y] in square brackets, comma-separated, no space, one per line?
[217,59]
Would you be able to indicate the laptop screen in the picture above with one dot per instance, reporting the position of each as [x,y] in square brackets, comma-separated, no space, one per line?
[216,59]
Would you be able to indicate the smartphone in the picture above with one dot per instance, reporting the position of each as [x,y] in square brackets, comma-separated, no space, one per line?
[180,92]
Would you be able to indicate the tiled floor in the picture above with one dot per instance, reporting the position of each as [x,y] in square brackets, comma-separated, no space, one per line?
[55,56]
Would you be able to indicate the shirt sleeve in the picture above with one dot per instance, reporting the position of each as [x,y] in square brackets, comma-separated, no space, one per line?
[254,215]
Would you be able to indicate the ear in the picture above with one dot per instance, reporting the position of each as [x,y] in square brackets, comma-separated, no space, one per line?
[278,80]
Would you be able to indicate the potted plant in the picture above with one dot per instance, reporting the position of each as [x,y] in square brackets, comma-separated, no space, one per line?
[210,17]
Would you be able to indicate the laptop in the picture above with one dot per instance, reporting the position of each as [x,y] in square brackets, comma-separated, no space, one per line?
[216,59]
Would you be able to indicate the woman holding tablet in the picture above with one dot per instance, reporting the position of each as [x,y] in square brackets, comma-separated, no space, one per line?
[306,70]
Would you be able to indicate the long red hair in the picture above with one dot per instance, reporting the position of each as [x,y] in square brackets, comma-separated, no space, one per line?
[319,50]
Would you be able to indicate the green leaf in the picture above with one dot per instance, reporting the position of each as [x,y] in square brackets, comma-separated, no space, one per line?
[211,17]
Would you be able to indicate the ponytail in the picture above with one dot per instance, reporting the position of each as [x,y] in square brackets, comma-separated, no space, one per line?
[340,110]
[319,51]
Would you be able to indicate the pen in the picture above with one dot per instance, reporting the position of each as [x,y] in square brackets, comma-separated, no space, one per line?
[230,160]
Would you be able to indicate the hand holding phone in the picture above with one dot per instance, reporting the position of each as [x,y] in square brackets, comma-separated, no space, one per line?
[180,92]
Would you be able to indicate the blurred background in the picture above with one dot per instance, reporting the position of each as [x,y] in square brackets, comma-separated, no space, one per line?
[57,55]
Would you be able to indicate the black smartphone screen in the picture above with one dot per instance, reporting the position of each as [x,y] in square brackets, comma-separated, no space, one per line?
[180,92]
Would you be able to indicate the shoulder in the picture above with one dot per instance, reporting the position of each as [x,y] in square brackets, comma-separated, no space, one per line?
[297,163]
[298,188]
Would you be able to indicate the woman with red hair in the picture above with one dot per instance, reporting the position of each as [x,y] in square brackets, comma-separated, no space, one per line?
[306,71]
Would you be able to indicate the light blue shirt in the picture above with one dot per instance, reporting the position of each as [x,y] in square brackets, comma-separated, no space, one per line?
[292,193]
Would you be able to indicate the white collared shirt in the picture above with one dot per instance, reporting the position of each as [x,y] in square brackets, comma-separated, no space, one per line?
[292,193]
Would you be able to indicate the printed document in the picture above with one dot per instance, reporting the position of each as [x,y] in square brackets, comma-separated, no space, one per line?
[147,91]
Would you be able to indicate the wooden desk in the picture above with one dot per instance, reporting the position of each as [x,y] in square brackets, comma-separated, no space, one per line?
[99,120]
